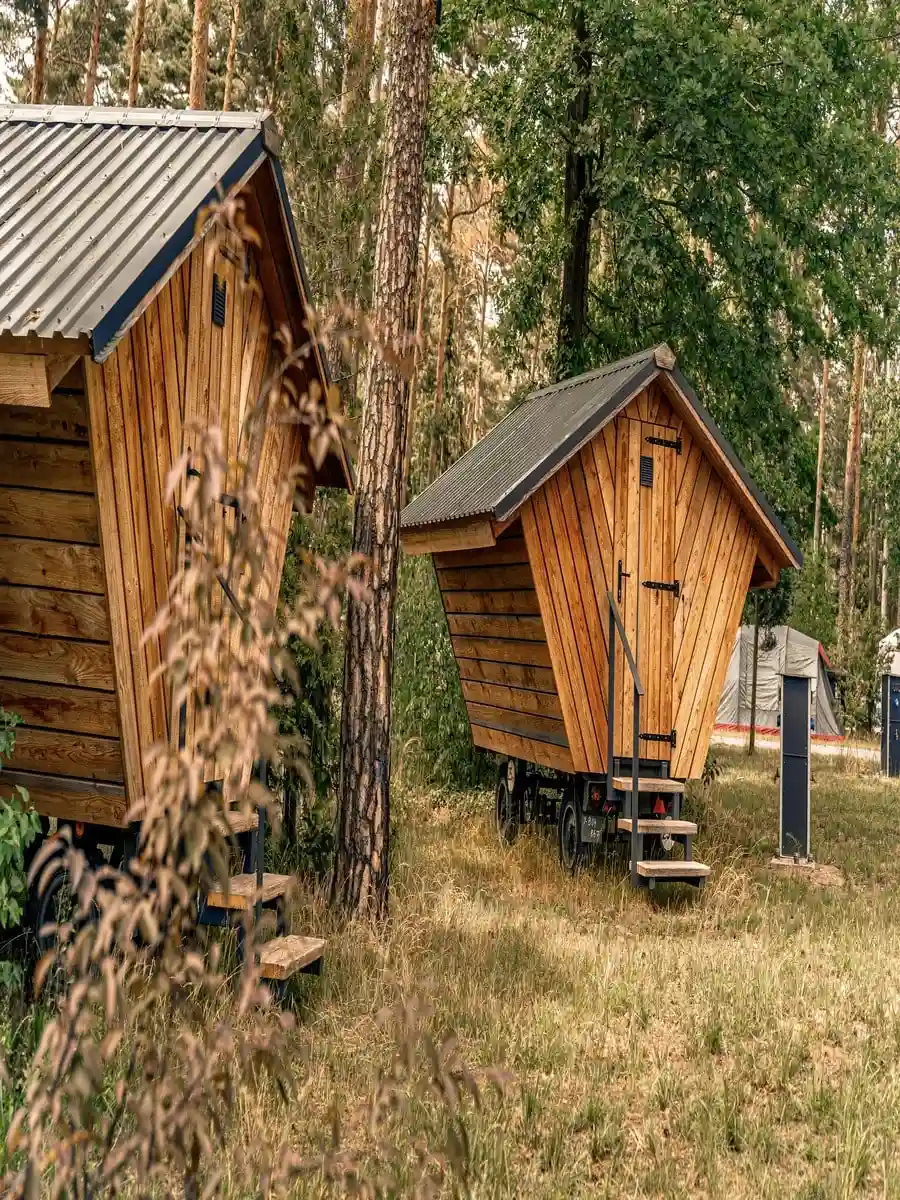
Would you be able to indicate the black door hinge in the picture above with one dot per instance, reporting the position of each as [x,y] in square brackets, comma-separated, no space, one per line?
[657,585]
[671,738]
[669,444]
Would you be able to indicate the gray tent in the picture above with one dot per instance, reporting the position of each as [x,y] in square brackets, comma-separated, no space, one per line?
[782,651]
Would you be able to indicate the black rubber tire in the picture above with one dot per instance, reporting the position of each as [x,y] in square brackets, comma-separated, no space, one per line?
[571,850]
[506,815]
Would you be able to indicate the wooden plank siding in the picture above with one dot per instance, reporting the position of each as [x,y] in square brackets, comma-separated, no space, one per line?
[56,662]
[528,618]
[500,645]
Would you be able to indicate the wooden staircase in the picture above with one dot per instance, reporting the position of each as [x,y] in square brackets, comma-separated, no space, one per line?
[666,829]
[624,792]
[286,954]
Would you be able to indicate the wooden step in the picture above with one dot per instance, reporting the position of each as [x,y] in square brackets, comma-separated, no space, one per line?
[671,868]
[622,783]
[659,825]
[242,891]
[241,822]
[282,957]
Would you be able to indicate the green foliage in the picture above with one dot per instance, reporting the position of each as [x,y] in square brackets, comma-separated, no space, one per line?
[431,733]
[739,180]
[19,826]
[859,672]
[814,603]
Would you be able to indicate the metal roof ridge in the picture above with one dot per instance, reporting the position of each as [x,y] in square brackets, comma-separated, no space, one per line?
[185,118]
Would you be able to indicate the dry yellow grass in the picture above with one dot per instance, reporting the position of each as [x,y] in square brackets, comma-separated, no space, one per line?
[741,1042]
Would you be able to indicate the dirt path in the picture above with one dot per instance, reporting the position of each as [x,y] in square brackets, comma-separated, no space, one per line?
[846,749]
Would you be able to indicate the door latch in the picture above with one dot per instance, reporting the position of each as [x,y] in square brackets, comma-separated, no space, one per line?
[622,575]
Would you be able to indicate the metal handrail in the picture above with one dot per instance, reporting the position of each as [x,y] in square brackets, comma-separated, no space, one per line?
[616,625]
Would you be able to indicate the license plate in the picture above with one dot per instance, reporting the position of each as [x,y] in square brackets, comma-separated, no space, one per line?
[593,829]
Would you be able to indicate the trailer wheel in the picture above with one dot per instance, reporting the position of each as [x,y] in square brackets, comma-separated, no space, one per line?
[505,812]
[571,850]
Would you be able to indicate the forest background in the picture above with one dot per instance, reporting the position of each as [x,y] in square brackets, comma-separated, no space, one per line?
[601,175]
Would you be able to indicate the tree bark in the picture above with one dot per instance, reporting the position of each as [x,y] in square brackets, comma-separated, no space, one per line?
[39,71]
[137,49]
[232,54]
[820,460]
[885,586]
[93,63]
[851,473]
[477,402]
[751,744]
[354,119]
[447,289]
[199,54]
[419,347]
[580,206]
[360,881]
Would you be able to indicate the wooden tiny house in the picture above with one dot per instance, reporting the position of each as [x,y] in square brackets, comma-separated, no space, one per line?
[120,331]
[615,484]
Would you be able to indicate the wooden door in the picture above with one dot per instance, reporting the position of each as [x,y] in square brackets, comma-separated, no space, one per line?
[644,581]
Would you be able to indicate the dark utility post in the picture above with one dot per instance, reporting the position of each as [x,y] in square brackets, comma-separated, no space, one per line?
[890,725]
[793,838]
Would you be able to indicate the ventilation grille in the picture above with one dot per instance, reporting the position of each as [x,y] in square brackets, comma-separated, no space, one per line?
[646,471]
[218,302]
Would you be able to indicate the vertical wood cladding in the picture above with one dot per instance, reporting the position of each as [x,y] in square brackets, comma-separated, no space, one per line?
[538,610]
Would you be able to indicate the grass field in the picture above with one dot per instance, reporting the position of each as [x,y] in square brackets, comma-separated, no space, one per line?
[740,1042]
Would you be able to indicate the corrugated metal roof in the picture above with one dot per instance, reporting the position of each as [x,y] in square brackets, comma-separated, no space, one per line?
[528,445]
[98,203]
[533,441]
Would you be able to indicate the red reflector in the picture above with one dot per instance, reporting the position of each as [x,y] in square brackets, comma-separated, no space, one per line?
[659,807]
[595,794]
[79,829]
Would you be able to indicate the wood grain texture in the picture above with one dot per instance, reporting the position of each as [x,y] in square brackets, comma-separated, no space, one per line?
[55,516]
[512,745]
[530,725]
[56,660]
[472,534]
[53,706]
[508,550]
[65,421]
[505,577]
[31,562]
[36,464]
[282,957]
[53,613]
[72,800]
[516,699]
[75,754]
[517,675]
[23,380]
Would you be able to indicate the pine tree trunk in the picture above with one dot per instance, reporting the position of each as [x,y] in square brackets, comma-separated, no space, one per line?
[360,880]
[580,204]
[477,403]
[93,63]
[447,282]
[751,744]
[885,558]
[137,49]
[419,347]
[199,54]
[820,460]
[39,71]
[851,472]
[354,115]
[232,54]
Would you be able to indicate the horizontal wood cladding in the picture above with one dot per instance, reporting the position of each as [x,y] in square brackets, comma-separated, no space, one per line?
[500,646]
[56,516]
[513,745]
[67,567]
[56,706]
[56,664]
[73,754]
[54,613]
[47,465]
[70,799]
